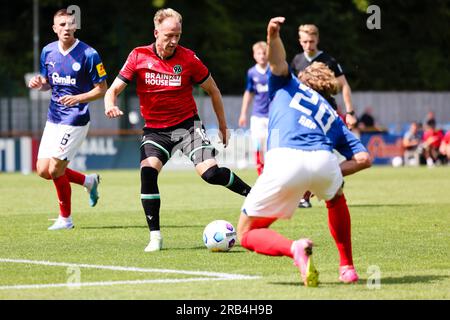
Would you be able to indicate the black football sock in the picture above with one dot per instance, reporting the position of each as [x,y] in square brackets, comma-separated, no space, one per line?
[225,177]
[150,197]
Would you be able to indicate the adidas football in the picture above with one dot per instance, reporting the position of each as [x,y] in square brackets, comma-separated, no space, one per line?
[219,236]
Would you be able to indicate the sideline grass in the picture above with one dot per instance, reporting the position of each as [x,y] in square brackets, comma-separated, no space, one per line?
[400,227]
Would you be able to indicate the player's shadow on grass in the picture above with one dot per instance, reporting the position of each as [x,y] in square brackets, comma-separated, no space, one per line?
[412,279]
[198,226]
[384,281]
[113,227]
[370,205]
[203,248]
[137,227]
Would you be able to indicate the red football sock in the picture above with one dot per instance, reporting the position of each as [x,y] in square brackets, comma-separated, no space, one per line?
[340,228]
[259,162]
[307,195]
[64,192]
[268,242]
[75,176]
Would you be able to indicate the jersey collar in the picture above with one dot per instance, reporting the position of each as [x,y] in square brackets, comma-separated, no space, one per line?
[65,53]
[261,70]
[170,57]
[318,53]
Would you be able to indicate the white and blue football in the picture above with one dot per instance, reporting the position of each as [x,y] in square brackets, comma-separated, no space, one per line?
[219,236]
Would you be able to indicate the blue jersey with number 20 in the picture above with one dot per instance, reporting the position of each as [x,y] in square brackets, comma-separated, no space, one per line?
[300,118]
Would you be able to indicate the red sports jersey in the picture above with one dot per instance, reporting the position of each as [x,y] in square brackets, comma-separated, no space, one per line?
[447,138]
[435,136]
[164,87]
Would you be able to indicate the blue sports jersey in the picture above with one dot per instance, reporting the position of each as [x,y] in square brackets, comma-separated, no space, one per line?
[257,84]
[300,118]
[73,72]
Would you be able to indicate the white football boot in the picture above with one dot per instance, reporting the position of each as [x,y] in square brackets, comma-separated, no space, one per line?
[155,243]
[62,223]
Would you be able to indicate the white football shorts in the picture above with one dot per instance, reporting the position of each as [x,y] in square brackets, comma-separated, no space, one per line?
[61,141]
[259,128]
[288,174]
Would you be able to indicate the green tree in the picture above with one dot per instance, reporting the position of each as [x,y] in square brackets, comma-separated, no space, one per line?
[409,52]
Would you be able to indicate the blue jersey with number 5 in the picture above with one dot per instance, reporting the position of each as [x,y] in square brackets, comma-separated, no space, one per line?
[300,118]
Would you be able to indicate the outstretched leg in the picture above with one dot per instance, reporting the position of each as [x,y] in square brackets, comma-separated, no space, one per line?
[254,234]
[211,173]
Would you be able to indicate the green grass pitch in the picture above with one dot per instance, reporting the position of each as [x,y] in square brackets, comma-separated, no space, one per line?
[400,232]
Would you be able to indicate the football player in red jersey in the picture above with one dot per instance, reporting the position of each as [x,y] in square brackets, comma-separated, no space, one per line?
[165,73]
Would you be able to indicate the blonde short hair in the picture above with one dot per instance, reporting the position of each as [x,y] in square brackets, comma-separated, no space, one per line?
[309,29]
[320,78]
[163,14]
[62,12]
[259,45]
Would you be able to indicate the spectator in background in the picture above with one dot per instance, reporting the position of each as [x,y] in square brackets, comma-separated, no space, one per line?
[257,91]
[429,117]
[444,148]
[411,142]
[367,121]
[432,139]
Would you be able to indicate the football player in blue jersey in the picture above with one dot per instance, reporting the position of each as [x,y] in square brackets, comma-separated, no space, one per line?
[257,90]
[321,78]
[303,130]
[74,73]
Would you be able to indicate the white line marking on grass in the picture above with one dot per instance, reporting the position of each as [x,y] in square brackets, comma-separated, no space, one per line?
[106,283]
[206,276]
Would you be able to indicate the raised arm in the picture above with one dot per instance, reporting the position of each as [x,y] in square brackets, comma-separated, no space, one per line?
[277,53]
[111,108]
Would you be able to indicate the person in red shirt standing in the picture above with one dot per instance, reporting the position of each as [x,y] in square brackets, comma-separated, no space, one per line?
[165,73]
[432,138]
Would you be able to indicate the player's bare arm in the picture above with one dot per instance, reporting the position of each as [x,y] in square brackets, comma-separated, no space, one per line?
[39,83]
[97,92]
[111,108]
[350,119]
[210,87]
[246,101]
[277,53]
[359,161]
